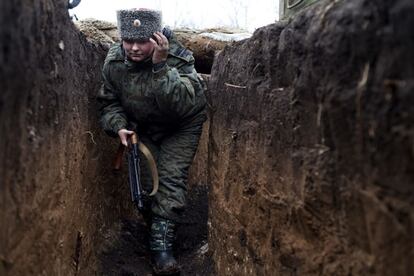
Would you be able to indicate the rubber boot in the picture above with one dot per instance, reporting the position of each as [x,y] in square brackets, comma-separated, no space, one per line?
[161,245]
[146,214]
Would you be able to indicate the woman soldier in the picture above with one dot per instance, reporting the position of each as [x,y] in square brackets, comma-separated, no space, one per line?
[150,86]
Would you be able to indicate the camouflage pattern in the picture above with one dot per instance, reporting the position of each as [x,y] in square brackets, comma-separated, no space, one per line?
[173,156]
[167,110]
[158,102]
[162,234]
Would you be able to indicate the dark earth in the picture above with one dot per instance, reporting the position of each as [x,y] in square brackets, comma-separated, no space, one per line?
[311,144]
[306,165]
[63,210]
[128,255]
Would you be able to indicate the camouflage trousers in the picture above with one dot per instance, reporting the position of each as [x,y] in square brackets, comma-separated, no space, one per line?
[173,154]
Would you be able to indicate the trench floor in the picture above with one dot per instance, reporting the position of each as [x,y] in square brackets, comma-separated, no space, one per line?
[127,251]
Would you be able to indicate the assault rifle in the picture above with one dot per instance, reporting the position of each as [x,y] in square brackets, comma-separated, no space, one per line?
[134,175]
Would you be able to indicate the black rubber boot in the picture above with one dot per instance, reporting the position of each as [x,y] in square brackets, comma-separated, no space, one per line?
[161,245]
[147,216]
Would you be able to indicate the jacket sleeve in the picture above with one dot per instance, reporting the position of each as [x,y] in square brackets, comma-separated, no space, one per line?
[111,113]
[177,88]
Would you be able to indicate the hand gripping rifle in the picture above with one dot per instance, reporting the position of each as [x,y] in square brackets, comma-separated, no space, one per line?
[137,192]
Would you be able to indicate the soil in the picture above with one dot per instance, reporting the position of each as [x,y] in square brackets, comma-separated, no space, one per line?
[61,205]
[311,160]
[127,250]
[305,166]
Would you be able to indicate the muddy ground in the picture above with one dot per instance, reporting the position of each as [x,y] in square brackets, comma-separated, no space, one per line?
[127,249]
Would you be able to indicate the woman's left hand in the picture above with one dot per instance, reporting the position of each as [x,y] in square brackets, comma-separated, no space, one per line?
[161,47]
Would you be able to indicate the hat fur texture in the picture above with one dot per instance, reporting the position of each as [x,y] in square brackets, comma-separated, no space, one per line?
[138,24]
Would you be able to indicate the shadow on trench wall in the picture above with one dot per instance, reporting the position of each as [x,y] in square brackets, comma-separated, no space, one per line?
[311,144]
[57,193]
[59,198]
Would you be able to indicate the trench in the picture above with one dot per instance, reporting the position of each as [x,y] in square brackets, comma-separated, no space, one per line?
[305,166]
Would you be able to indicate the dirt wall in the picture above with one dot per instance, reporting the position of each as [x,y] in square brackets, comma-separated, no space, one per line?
[63,211]
[58,195]
[311,157]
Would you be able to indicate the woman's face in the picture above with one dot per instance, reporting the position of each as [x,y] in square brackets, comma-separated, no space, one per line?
[138,50]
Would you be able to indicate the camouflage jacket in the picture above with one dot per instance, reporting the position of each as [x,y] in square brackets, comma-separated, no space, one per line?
[154,102]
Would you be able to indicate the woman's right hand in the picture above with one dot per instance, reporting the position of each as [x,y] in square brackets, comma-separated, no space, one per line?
[123,135]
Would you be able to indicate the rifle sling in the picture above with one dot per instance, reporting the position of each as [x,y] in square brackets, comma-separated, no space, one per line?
[152,166]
